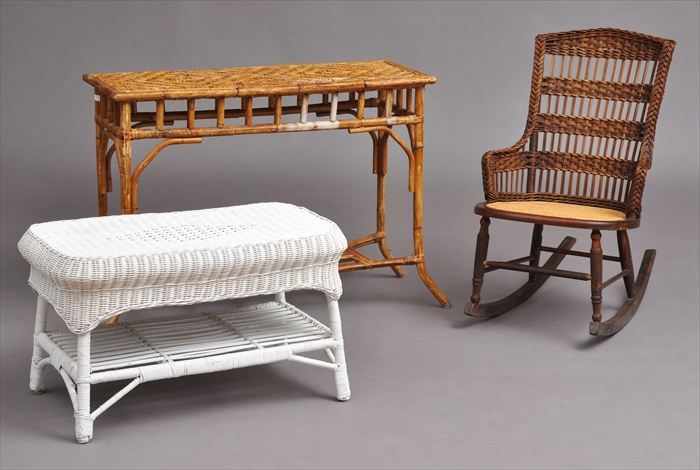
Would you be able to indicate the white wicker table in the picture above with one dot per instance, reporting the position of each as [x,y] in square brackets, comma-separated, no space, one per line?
[90,270]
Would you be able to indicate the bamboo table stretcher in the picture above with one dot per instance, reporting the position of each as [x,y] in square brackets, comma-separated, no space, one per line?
[373,97]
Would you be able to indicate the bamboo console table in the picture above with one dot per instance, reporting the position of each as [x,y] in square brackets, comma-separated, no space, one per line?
[370,97]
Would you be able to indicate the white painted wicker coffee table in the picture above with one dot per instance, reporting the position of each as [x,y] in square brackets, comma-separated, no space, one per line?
[93,269]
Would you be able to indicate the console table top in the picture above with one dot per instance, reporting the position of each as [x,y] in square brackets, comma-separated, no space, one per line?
[256,80]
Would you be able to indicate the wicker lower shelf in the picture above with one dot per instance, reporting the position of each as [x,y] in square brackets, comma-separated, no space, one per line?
[158,349]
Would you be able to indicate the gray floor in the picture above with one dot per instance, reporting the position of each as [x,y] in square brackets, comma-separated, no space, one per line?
[431,388]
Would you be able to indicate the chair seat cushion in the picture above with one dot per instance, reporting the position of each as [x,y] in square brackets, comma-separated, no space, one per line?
[92,269]
[559,210]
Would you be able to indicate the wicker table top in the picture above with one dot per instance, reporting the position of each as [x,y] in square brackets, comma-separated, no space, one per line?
[257,80]
[92,269]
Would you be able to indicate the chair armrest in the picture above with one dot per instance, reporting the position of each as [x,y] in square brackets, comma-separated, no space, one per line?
[489,163]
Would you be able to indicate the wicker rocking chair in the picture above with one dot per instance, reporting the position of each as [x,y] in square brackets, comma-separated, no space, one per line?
[581,163]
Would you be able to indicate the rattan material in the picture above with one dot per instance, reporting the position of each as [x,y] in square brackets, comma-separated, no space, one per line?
[95,268]
[560,210]
[592,117]
[257,80]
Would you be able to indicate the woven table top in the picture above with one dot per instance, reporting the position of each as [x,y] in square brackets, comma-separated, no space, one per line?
[174,233]
[257,80]
[94,268]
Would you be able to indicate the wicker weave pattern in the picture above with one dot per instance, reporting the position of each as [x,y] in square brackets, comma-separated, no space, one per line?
[245,81]
[92,269]
[607,90]
[603,43]
[592,117]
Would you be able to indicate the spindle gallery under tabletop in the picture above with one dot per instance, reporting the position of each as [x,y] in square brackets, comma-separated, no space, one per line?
[373,97]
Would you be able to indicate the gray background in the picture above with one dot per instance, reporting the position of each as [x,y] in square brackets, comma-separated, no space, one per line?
[430,387]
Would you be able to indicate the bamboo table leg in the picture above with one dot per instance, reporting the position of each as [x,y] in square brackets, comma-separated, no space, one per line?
[381,145]
[352,259]
[123,151]
[418,247]
[123,146]
[101,156]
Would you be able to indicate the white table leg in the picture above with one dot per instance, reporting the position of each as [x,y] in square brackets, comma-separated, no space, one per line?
[36,382]
[83,420]
[342,382]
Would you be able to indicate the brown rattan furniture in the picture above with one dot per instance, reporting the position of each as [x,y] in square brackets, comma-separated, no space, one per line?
[374,97]
[581,163]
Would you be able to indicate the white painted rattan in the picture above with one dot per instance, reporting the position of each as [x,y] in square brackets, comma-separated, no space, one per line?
[95,268]
[91,269]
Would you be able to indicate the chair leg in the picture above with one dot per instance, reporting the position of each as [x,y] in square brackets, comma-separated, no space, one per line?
[342,382]
[596,275]
[482,248]
[535,246]
[83,420]
[623,244]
